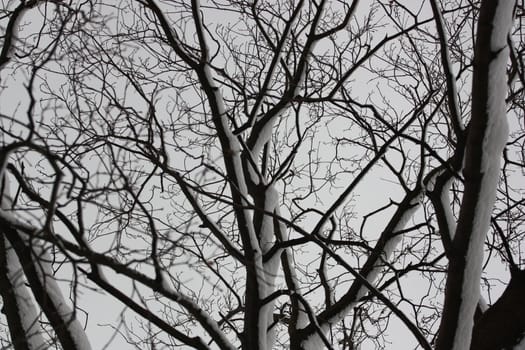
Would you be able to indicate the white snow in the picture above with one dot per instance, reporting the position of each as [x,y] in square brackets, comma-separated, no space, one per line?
[501,25]
[493,143]
[265,134]
[267,283]
[520,345]
[271,203]
[445,202]
[497,125]
[483,304]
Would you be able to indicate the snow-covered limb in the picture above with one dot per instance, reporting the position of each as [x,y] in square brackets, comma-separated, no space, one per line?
[268,235]
[231,149]
[374,264]
[46,276]
[53,304]
[266,240]
[201,316]
[312,341]
[487,137]
[36,267]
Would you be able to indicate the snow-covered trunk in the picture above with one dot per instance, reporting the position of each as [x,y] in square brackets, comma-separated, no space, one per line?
[439,194]
[231,148]
[253,334]
[36,263]
[255,322]
[265,195]
[18,305]
[270,267]
[265,229]
[487,136]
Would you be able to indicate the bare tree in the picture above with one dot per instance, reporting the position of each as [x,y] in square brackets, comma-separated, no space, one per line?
[262,174]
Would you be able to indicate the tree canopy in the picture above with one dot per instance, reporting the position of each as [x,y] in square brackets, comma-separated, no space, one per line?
[262,174]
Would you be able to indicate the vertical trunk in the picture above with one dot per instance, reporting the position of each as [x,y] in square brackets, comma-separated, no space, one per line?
[486,140]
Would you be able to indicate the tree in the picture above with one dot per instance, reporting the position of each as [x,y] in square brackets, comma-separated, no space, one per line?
[262,174]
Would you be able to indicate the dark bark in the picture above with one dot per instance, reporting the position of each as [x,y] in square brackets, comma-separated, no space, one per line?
[503,324]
